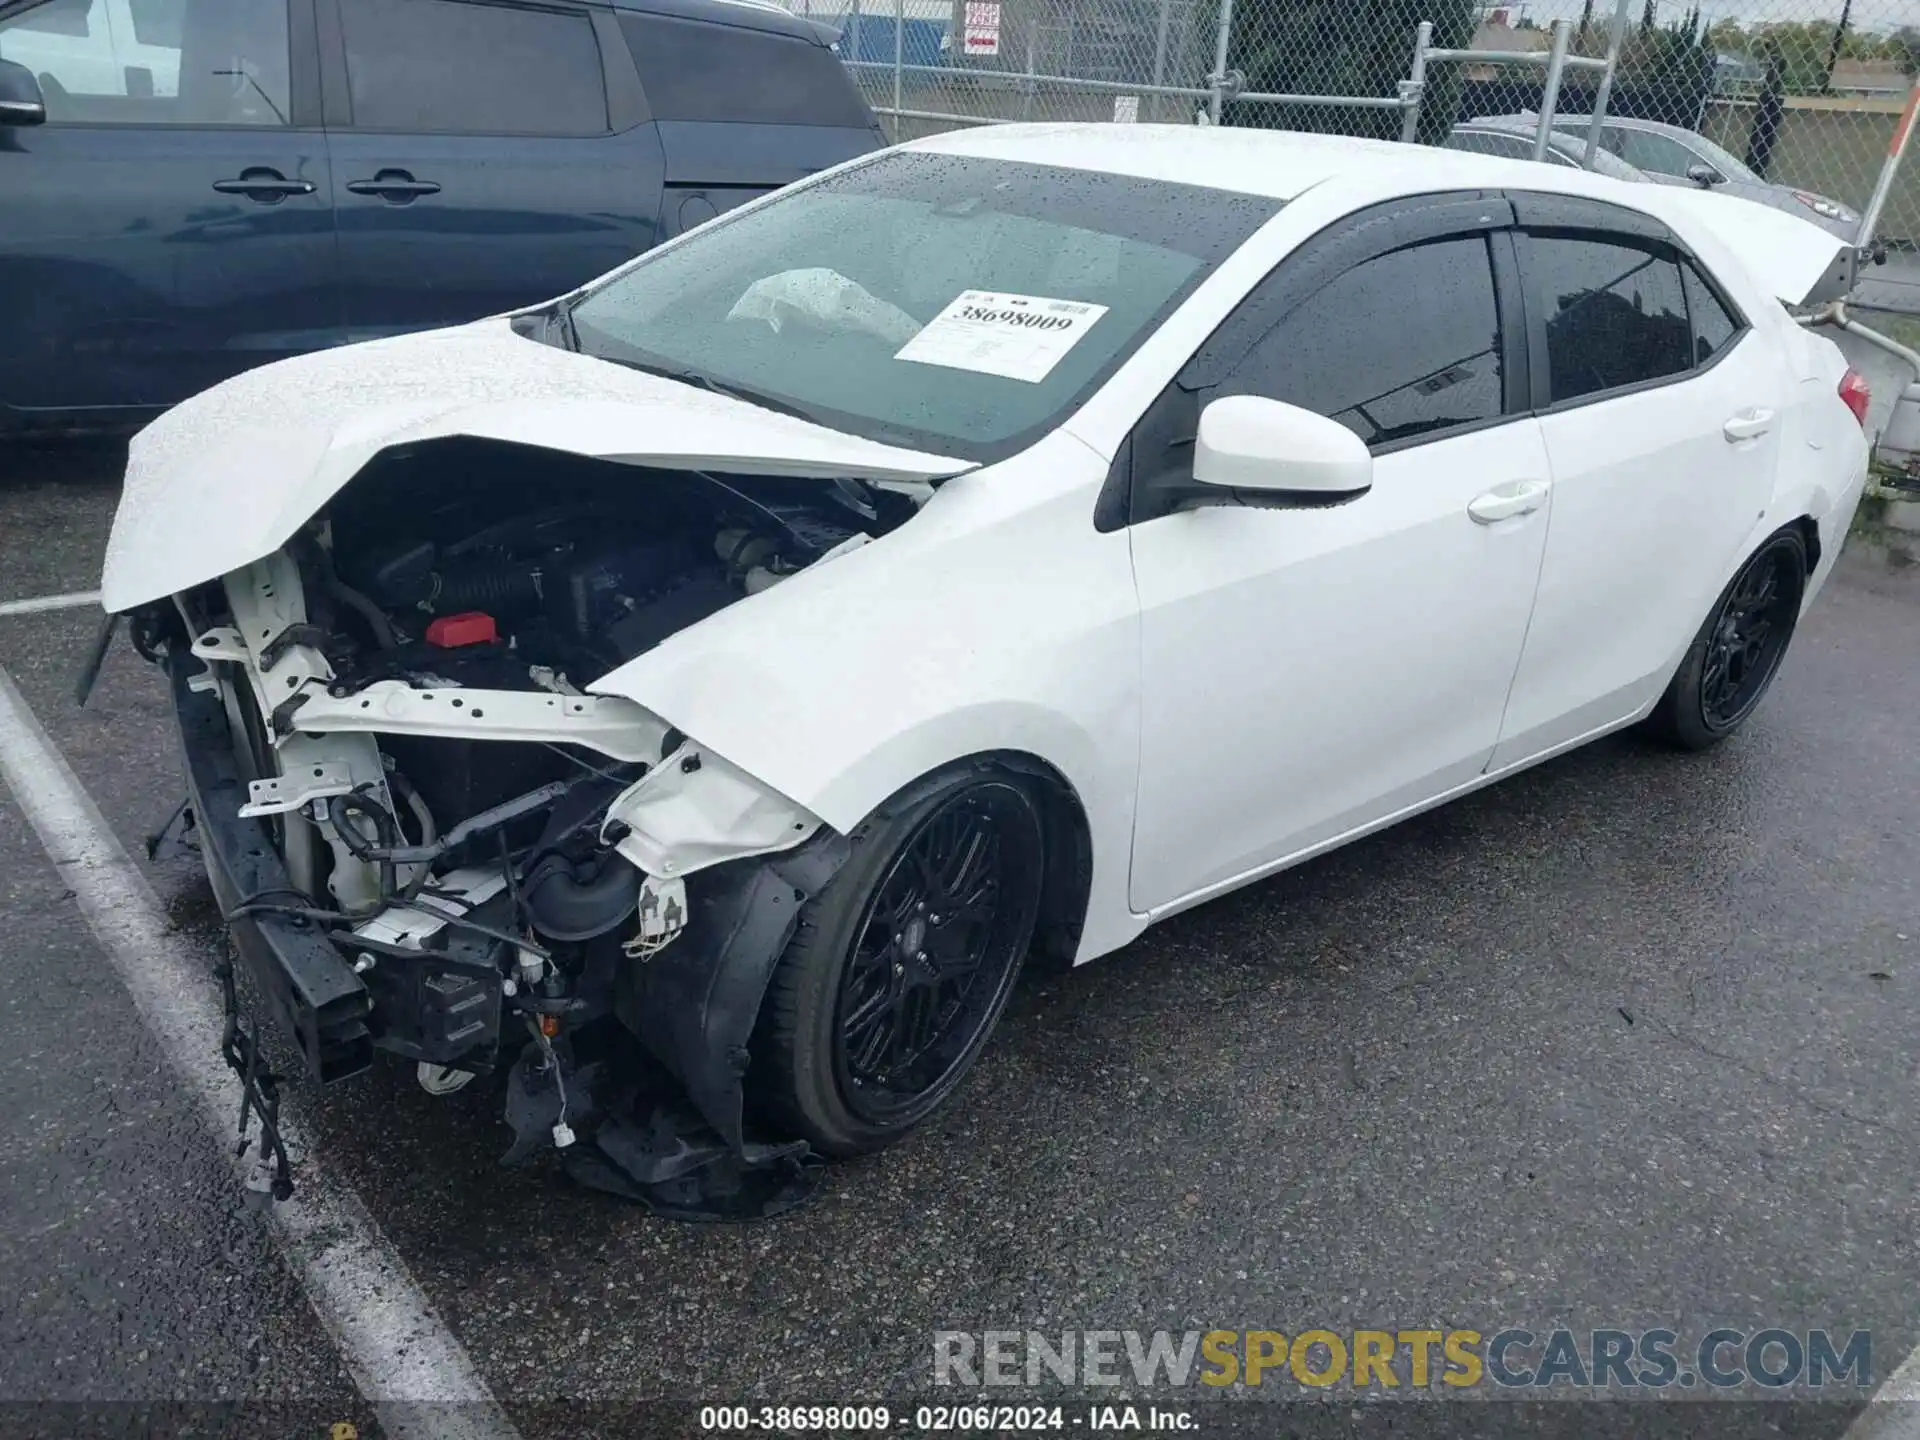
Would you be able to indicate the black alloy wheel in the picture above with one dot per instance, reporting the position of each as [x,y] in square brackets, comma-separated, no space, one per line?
[900,967]
[1737,652]
[1749,636]
[936,951]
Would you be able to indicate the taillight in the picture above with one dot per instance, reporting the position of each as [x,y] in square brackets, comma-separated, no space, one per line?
[1855,395]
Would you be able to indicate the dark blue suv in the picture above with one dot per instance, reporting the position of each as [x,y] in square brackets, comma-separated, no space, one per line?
[192,187]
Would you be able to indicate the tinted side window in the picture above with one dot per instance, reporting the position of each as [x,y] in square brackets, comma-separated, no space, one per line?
[1615,313]
[181,62]
[444,66]
[1713,327]
[1401,345]
[693,70]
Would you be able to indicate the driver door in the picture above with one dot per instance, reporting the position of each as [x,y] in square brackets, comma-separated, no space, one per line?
[1310,672]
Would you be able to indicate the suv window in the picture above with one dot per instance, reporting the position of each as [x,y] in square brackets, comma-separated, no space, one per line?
[1615,313]
[692,70]
[1401,345]
[179,62]
[451,67]
[1713,325]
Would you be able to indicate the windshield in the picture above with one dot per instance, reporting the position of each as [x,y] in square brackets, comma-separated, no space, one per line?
[950,303]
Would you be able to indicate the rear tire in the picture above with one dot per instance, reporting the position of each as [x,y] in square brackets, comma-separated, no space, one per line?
[899,968]
[1736,654]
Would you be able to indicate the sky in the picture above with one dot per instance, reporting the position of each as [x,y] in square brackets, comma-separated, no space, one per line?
[1867,14]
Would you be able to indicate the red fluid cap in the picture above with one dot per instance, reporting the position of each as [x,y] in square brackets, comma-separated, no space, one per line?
[471,627]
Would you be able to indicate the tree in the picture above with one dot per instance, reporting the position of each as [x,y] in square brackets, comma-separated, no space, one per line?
[1728,36]
[1343,47]
[1904,46]
[1669,71]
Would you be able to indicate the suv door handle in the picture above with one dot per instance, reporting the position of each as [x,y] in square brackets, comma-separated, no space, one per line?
[1747,425]
[396,186]
[264,184]
[1503,502]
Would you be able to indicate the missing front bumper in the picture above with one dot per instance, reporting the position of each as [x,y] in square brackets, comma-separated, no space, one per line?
[673,1135]
[440,1005]
[320,1003]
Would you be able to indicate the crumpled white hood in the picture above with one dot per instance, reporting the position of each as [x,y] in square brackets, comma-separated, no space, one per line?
[228,477]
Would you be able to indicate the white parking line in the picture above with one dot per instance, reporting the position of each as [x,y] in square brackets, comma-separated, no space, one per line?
[404,1360]
[1894,1411]
[34,605]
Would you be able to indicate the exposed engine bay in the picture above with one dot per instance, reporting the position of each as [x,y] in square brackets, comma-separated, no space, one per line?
[465,860]
[458,561]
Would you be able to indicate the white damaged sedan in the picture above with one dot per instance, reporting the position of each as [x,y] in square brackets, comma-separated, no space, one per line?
[699,694]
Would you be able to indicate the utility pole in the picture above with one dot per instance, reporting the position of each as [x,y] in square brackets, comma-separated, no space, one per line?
[1839,39]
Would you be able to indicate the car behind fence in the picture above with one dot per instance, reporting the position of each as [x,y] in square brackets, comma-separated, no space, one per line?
[1807,95]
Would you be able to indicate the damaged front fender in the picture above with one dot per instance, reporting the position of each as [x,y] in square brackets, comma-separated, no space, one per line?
[695,1003]
[695,810]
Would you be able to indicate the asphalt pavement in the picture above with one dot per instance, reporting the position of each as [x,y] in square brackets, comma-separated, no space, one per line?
[1893,284]
[1626,1041]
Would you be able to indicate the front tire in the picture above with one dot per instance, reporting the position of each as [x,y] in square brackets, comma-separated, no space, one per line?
[899,968]
[1733,659]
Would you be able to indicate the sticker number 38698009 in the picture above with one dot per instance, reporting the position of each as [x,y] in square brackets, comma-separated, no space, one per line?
[1021,337]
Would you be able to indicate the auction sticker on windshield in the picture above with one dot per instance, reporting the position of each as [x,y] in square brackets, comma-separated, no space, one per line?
[1019,336]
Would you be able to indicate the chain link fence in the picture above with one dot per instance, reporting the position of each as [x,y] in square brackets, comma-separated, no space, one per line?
[1795,101]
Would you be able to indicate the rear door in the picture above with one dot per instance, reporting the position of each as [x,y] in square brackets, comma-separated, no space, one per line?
[170,224]
[485,156]
[1662,419]
[745,102]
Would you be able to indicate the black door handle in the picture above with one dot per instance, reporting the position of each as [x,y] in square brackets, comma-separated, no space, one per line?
[396,186]
[265,185]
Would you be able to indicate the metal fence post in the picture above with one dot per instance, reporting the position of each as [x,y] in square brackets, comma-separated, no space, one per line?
[1190,60]
[899,56]
[1217,103]
[1160,54]
[1889,168]
[1033,59]
[1616,36]
[1415,88]
[1550,91]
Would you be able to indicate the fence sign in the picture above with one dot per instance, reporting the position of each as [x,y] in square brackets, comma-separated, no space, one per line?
[982,35]
[1126,109]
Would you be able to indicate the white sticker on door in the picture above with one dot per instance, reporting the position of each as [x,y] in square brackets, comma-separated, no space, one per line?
[1019,336]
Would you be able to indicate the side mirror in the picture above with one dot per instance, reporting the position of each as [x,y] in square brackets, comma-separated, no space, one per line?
[1269,448]
[1705,176]
[21,102]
